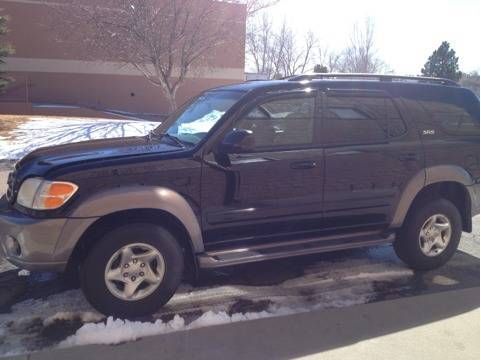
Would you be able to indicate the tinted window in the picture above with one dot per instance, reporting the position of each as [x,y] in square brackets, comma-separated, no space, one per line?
[452,118]
[396,125]
[352,120]
[283,122]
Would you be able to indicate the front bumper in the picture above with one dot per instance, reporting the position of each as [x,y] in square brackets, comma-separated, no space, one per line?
[39,244]
[30,243]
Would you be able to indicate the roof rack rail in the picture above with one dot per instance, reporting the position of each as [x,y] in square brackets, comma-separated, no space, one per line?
[378,77]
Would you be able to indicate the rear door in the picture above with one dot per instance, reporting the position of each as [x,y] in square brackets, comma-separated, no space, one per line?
[370,155]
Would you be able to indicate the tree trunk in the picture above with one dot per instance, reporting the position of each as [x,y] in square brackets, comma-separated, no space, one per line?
[172,101]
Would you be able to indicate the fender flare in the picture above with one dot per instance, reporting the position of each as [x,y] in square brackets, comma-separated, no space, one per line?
[143,197]
[425,177]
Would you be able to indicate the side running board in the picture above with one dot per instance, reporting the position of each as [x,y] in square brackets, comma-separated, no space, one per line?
[271,251]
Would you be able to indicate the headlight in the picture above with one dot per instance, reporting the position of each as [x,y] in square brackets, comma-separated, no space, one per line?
[39,194]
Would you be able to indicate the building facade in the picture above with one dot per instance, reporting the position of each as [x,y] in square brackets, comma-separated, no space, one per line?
[46,71]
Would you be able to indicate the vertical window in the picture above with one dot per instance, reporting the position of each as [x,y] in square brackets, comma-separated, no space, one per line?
[282,122]
[354,120]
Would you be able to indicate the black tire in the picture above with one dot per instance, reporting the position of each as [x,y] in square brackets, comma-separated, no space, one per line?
[92,270]
[407,245]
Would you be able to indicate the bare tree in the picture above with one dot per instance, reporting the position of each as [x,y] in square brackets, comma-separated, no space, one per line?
[255,6]
[361,56]
[5,50]
[279,53]
[259,45]
[164,40]
[331,60]
[295,58]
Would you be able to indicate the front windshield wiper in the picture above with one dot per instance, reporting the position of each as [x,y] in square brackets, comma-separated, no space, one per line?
[175,139]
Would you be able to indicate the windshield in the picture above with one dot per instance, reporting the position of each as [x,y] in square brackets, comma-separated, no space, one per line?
[192,122]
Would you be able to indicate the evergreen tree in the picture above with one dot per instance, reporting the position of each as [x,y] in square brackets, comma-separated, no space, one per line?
[443,63]
[320,69]
[5,50]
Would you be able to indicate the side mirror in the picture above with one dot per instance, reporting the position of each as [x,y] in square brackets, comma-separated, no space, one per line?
[237,141]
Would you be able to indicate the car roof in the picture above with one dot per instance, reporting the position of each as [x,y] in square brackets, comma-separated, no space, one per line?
[411,88]
[326,83]
[404,88]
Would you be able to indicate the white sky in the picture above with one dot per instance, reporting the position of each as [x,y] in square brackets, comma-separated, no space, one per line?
[406,31]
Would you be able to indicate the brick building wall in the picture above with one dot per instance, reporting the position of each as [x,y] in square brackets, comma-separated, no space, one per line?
[46,70]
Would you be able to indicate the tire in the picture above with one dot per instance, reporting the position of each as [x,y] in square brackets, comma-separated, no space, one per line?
[408,245]
[108,296]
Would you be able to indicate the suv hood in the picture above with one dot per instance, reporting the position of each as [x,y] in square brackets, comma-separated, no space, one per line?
[42,160]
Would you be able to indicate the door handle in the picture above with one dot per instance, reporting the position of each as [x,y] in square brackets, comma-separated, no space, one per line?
[303,165]
[409,157]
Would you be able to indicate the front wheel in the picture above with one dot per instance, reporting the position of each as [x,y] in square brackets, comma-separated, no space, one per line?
[133,270]
[430,235]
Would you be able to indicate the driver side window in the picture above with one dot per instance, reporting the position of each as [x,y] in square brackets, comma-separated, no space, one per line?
[282,122]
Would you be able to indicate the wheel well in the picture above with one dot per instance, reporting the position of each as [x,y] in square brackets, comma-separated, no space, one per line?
[153,216]
[449,190]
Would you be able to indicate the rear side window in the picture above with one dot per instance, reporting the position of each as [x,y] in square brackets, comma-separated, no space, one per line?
[281,122]
[396,125]
[361,119]
[451,118]
[352,120]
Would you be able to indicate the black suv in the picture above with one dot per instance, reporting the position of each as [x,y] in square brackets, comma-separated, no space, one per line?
[252,172]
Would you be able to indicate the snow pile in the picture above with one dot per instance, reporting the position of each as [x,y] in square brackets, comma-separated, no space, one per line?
[41,131]
[115,331]
[24,272]
[85,317]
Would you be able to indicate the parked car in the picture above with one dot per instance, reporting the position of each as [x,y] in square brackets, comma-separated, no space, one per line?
[251,172]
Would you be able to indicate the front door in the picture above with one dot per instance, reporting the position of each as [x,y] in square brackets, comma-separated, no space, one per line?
[275,191]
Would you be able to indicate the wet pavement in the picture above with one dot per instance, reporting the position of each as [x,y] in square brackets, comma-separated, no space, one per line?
[45,309]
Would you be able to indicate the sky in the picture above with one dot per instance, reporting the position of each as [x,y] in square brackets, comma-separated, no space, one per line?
[406,31]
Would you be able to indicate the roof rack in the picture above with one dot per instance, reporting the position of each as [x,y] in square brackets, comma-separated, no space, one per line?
[378,77]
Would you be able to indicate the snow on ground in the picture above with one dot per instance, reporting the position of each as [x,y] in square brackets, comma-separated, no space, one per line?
[5,266]
[225,298]
[115,331]
[278,288]
[29,133]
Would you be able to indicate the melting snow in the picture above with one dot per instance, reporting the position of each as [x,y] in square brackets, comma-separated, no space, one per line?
[40,131]
[328,284]
[117,331]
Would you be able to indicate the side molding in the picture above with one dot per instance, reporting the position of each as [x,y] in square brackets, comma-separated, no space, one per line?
[136,197]
[425,177]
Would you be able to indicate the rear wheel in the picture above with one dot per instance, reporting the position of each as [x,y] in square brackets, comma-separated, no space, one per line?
[133,270]
[430,235]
